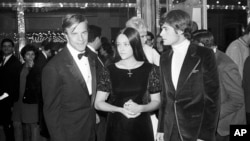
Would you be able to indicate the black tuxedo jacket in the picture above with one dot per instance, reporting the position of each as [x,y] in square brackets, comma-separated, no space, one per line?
[194,105]
[68,109]
[9,83]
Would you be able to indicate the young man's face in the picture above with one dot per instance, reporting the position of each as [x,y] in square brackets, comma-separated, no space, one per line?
[77,36]
[169,35]
[7,48]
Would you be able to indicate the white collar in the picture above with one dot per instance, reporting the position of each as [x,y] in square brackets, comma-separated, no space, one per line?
[73,51]
[43,52]
[92,49]
[181,47]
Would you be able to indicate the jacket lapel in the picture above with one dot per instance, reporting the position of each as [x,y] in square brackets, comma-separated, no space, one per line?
[92,63]
[75,71]
[166,66]
[189,66]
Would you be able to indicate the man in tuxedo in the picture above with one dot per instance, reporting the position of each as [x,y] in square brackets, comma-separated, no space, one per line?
[69,85]
[9,85]
[190,95]
[94,40]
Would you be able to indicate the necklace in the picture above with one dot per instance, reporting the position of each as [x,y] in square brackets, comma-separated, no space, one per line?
[129,73]
[129,67]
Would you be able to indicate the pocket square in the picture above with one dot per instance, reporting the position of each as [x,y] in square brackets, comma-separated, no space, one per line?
[195,71]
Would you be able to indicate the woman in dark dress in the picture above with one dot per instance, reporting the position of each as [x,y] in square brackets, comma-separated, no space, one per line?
[25,110]
[128,85]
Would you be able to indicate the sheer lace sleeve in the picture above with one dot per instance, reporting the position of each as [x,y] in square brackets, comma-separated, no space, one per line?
[103,83]
[154,85]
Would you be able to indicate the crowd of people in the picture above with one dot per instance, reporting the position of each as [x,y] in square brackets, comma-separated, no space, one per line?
[173,86]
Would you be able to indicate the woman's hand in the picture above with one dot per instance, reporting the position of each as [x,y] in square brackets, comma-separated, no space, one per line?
[128,114]
[30,63]
[132,107]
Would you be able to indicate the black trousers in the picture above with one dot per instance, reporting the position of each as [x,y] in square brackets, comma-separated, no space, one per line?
[248,118]
[8,131]
[222,138]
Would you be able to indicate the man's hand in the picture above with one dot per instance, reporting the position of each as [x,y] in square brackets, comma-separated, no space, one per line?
[97,119]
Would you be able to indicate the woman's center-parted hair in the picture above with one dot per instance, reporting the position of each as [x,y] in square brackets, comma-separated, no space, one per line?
[135,43]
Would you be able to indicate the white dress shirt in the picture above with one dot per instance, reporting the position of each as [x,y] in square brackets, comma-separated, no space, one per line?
[6,58]
[179,53]
[83,65]
[45,55]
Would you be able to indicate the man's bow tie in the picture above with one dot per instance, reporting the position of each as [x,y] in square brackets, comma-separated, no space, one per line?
[82,54]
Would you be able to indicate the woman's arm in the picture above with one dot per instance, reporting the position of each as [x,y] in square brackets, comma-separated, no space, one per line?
[101,104]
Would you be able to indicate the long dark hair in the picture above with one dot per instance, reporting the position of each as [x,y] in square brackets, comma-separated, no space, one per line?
[135,42]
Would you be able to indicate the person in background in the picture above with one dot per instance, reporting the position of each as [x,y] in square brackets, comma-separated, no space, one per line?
[238,50]
[68,89]
[9,85]
[150,39]
[159,44]
[106,54]
[128,84]
[246,87]
[232,108]
[94,42]
[25,111]
[190,82]
[94,39]
[43,56]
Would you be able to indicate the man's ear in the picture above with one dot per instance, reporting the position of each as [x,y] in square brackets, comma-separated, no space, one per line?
[66,36]
[179,32]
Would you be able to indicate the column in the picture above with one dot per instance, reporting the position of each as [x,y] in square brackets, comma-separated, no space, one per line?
[248,11]
[148,13]
[21,24]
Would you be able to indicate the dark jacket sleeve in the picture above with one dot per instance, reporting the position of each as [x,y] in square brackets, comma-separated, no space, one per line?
[212,96]
[52,100]
[162,107]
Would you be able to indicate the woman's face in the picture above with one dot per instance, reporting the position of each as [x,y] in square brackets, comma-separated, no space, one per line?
[123,47]
[29,56]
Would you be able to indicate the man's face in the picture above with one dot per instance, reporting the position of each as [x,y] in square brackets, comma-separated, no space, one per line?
[143,35]
[169,35]
[7,48]
[77,36]
[159,44]
[149,41]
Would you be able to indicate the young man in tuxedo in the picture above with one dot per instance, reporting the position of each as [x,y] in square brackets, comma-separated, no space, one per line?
[9,85]
[190,94]
[69,85]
